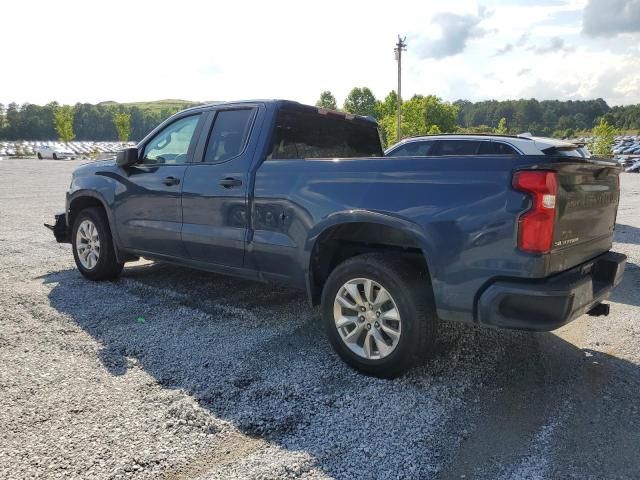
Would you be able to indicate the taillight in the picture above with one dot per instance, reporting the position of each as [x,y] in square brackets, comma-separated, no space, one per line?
[535,227]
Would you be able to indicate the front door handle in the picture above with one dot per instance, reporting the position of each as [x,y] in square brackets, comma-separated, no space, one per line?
[171,181]
[230,182]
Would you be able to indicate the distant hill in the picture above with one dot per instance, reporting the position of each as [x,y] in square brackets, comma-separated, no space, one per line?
[158,105]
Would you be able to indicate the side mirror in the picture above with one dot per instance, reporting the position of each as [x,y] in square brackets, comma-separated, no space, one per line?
[127,157]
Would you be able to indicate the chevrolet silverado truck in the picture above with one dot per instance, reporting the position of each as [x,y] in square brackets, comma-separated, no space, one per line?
[496,231]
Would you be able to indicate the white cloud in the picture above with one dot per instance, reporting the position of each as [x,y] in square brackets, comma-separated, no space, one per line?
[554,45]
[611,17]
[120,50]
[455,31]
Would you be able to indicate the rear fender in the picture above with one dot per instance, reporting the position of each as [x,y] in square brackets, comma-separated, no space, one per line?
[414,231]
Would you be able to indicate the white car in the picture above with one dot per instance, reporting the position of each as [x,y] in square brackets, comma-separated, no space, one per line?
[48,151]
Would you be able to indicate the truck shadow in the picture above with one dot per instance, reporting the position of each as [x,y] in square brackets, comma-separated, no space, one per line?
[628,292]
[626,234]
[256,356]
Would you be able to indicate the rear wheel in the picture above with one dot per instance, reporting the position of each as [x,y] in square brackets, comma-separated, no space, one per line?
[379,314]
[55,157]
[39,156]
[93,246]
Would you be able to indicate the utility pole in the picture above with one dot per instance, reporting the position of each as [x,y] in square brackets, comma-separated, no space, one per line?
[401,46]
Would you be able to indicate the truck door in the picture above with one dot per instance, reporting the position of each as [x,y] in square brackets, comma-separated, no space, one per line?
[147,208]
[215,189]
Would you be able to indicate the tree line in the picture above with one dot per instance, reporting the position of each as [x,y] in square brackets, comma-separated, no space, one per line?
[420,115]
[82,121]
[429,114]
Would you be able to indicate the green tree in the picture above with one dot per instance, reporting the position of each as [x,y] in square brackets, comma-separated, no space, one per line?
[420,116]
[122,122]
[327,100]
[604,136]
[442,114]
[388,130]
[63,119]
[389,106]
[476,129]
[502,127]
[361,101]
[565,122]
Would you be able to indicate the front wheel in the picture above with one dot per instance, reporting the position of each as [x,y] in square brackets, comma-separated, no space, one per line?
[93,246]
[379,314]
[55,157]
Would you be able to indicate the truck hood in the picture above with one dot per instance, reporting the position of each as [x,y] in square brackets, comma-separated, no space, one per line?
[92,167]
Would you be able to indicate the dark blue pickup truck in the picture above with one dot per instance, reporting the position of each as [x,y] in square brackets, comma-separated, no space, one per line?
[389,245]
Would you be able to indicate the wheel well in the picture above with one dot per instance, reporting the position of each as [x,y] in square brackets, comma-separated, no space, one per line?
[79,204]
[341,242]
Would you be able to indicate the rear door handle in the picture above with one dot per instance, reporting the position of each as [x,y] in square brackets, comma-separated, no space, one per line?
[230,182]
[171,181]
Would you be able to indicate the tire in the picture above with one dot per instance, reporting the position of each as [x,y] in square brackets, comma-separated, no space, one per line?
[412,297]
[39,156]
[55,157]
[106,267]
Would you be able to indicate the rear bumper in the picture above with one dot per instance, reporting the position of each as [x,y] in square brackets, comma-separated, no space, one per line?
[550,303]
[59,228]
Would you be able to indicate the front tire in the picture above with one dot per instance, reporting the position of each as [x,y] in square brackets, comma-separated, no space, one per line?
[93,248]
[379,314]
[39,156]
[55,157]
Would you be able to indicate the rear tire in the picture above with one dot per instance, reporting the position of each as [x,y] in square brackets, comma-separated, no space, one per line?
[403,342]
[39,156]
[55,157]
[93,248]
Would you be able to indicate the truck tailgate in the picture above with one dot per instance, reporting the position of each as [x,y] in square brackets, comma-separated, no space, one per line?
[588,196]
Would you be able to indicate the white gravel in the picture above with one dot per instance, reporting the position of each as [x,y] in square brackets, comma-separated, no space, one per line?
[226,378]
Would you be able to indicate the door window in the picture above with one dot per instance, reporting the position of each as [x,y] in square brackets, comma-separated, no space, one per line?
[228,135]
[496,148]
[171,144]
[412,149]
[455,147]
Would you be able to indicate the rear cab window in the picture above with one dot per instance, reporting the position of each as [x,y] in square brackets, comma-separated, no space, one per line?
[229,134]
[307,133]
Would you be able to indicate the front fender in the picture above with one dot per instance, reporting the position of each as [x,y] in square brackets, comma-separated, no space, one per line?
[77,193]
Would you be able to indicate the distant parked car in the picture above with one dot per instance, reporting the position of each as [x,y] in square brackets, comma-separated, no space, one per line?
[490,145]
[47,151]
[635,167]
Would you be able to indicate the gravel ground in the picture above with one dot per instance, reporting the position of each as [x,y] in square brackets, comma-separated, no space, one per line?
[226,378]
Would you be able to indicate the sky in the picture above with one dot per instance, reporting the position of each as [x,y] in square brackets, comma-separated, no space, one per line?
[136,50]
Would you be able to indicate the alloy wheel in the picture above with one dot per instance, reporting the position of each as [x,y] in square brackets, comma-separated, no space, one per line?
[367,318]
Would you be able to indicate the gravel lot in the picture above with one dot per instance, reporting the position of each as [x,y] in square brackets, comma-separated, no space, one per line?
[226,378]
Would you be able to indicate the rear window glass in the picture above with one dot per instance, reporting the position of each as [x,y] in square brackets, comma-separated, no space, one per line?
[455,147]
[305,134]
[496,148]
[581,152]
[412,149]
